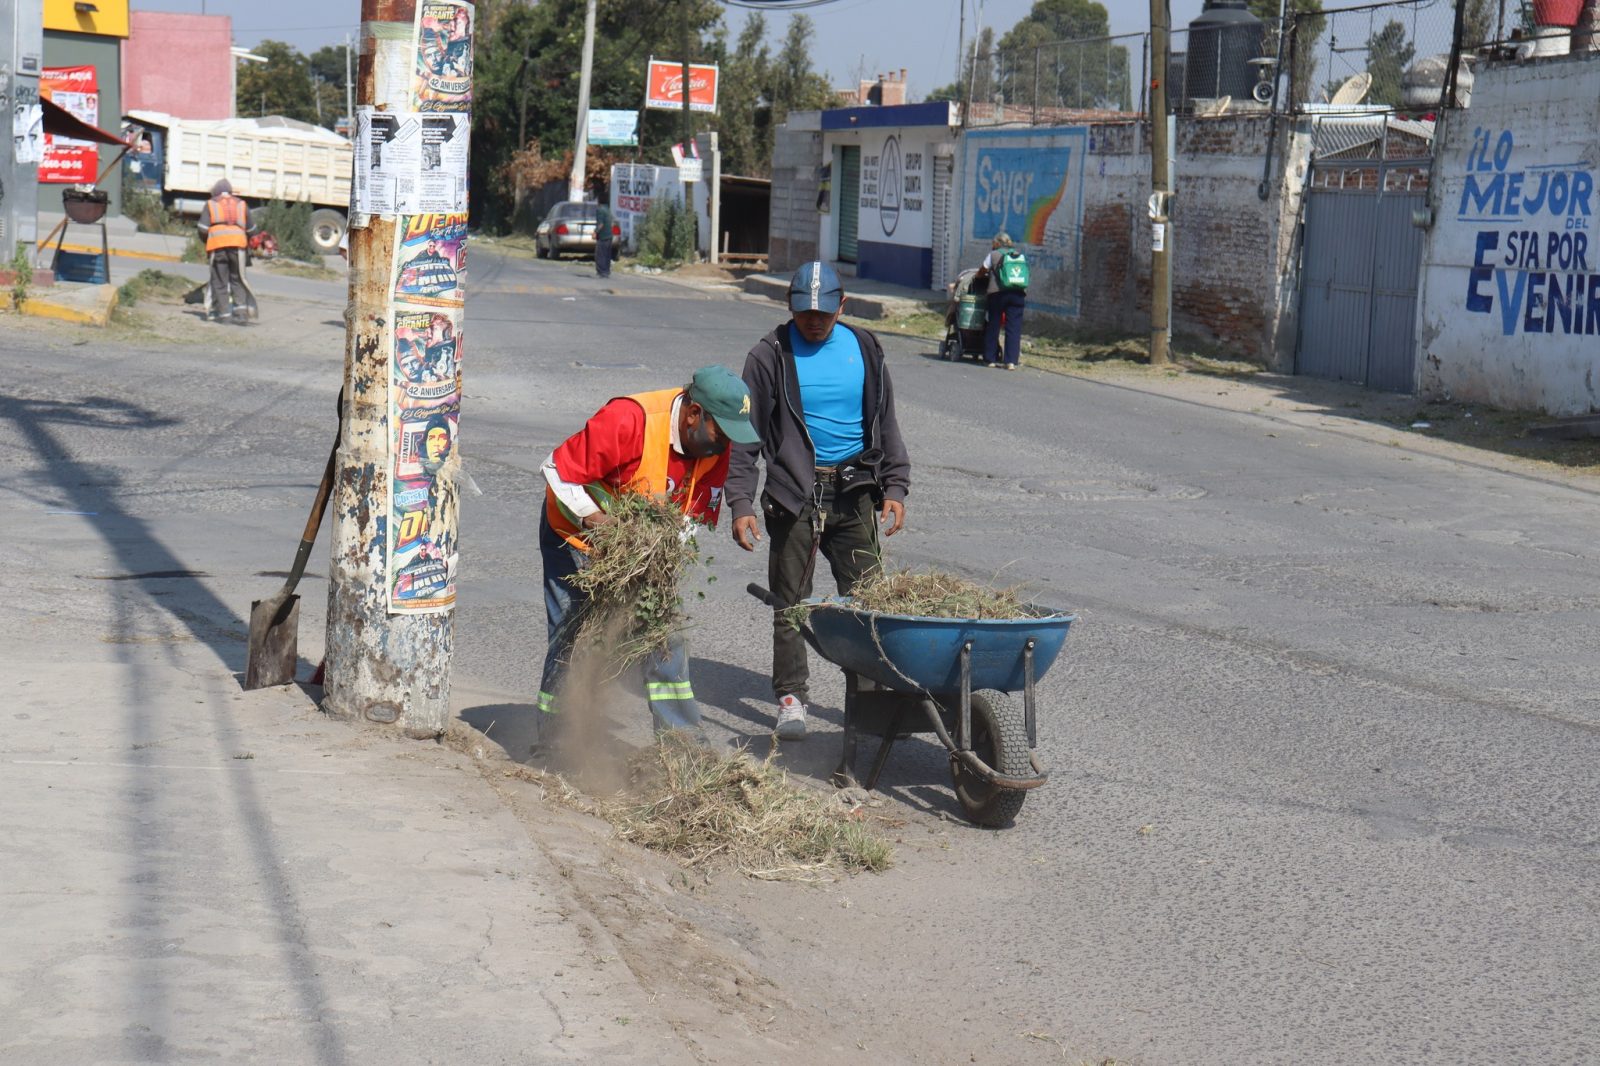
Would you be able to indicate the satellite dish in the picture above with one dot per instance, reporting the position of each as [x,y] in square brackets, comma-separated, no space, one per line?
[1353,91]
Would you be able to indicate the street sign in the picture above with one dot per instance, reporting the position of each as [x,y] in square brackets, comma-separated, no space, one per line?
[690,170]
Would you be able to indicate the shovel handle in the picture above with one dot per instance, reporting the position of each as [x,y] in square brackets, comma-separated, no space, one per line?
[319,507]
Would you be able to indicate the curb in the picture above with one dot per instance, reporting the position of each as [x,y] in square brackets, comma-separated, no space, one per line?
[88,306]
[861,306]
[124,253]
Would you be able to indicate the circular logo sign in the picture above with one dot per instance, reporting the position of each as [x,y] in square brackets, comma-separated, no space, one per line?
[889,187]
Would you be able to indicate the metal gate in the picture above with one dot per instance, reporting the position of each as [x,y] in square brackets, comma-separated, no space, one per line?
[849,201]
[1358,276]
[942,168]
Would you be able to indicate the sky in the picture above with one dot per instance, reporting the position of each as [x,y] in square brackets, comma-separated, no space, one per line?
[852,35]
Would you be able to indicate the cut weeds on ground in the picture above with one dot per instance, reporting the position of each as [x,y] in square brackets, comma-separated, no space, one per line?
[713,811]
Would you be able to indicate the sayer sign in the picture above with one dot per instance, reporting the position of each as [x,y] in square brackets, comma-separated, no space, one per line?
[664,91]
[66,161]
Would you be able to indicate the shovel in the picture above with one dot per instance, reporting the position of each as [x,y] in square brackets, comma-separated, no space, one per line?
[275,621]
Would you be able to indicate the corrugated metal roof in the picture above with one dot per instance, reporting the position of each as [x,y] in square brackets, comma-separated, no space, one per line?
[1342,134]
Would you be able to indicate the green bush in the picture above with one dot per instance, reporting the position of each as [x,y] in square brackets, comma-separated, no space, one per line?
[24,278]
[155,284]
[150,214]
[290,226]
[195,250]
[666,234]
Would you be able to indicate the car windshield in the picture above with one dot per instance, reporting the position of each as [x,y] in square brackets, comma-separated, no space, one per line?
[570,212]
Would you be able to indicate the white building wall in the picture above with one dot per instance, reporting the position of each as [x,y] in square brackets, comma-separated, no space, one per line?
[1510,292]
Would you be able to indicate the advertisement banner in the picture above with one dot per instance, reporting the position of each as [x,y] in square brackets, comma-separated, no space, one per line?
[664,87]
[67,161]
[614,129]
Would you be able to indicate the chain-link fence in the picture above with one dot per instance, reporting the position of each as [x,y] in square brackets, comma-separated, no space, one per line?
[1393,54]
[1057,82]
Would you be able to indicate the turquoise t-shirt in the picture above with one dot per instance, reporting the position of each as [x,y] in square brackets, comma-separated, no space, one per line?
[832,376]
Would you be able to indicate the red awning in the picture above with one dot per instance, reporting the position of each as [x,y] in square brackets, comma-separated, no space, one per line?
[60,122]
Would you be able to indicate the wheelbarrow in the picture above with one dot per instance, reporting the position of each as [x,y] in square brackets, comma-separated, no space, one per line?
[953,678]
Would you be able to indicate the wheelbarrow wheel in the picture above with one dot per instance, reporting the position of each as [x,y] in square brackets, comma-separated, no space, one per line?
[999,738]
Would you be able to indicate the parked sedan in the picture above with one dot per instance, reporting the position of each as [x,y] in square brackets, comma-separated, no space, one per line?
[568,228]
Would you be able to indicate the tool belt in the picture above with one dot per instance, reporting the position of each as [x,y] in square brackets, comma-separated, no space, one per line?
[858,472]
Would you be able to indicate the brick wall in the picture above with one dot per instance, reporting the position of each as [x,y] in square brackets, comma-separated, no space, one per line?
[792,229]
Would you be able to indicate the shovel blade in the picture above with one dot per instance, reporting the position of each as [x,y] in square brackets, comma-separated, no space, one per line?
[274,642]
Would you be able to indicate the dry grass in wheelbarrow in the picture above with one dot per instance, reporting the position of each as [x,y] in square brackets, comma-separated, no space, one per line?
[936,594]
[708,809]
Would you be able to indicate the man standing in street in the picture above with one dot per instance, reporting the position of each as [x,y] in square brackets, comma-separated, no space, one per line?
[602,233]
[823,406]
[225,225]
[670,443]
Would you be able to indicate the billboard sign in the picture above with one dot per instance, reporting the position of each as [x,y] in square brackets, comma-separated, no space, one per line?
[664,87]
[614,128]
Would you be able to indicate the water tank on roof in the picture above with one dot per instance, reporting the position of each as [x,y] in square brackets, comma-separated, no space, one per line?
[1222,42]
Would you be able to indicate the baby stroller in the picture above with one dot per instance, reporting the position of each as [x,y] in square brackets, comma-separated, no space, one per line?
[964,318]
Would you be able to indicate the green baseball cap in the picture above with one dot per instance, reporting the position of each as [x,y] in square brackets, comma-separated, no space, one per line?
[723,395]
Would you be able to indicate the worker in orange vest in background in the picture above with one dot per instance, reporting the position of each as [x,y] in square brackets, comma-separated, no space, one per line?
[671,443]
[225,225]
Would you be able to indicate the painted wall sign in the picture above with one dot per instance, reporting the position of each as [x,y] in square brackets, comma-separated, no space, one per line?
[1028,184]
[1535,267]
[67,161]
[664,86]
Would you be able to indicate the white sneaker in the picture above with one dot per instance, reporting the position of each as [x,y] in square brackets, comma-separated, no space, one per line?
[791,719]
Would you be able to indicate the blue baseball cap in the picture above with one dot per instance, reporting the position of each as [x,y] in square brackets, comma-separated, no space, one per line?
[816,287]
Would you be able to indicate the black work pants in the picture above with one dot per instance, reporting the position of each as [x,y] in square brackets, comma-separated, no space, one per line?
[227,281]
[602,258]
[850,544]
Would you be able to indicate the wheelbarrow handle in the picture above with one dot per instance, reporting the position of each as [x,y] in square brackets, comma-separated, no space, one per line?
[770,600]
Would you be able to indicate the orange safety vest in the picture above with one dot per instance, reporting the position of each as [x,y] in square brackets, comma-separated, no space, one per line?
[651,476]
[227,219]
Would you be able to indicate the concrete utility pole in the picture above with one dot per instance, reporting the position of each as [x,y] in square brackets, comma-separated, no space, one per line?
[382,667]
[1161,187]
[688,115]
[580,153]
[349,89]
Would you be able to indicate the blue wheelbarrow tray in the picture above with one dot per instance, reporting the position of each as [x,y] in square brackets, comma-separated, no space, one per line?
[911,654]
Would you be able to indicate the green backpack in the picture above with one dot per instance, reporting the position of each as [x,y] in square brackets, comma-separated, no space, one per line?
[1012,274]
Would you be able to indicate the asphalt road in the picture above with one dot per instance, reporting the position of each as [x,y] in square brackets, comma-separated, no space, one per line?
[1323,739]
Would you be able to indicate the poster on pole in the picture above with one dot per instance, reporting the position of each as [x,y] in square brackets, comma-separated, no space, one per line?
[413,163]
[614,129]
[67,161]
[431,260]
[664,87]
[444,56]
[425,413]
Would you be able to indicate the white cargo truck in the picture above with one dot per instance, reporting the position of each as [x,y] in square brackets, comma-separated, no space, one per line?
[270,158]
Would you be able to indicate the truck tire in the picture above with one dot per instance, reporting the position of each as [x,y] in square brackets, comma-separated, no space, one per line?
[327,229]
[999,738]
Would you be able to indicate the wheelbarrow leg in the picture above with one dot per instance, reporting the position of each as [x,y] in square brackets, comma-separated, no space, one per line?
[889,737]
[845,775]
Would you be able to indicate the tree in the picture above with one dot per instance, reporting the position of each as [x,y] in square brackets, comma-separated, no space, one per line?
[1307,24]
[796,86]
[1478,25]
[1389,51]
[280,86]
[1057,56]
[980,82]
[744,119]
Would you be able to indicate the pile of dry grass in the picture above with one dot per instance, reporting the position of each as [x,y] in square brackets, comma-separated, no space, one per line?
[936,594]
[636,566]
[710,809]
